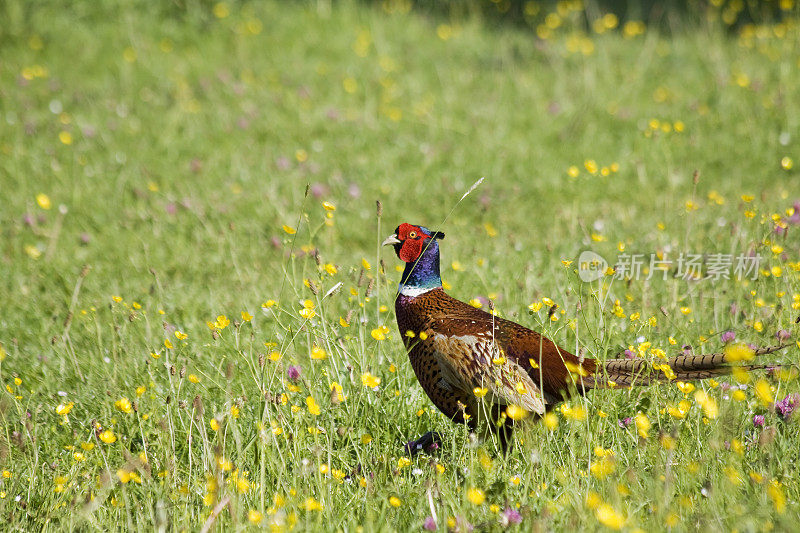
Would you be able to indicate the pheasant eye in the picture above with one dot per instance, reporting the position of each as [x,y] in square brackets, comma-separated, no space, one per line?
[412,234]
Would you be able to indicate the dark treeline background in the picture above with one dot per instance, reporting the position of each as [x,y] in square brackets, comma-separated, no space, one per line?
[668,16]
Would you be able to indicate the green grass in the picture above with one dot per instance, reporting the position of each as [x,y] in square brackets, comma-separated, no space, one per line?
[171,149]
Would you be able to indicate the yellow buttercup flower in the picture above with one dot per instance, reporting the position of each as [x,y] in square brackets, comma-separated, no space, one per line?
[380,333]
[318,353]
[738,352]
[764,392]
[480,392]
[312,505]
[124,405]
[313,407]
[222,322]
[603,468]
[642,425]
[254,516]
[475,496]
[515,412]
[607,516]
[43,201]
[63,409]
[368,380]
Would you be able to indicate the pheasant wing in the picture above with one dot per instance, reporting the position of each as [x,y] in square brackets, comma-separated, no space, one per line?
[471,354]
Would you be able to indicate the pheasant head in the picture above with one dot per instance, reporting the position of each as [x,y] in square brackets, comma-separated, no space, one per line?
[417,246]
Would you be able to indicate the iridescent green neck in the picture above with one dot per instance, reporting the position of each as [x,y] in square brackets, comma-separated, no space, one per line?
[422,275]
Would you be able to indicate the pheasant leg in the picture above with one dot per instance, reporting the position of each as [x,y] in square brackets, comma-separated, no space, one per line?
[429,442]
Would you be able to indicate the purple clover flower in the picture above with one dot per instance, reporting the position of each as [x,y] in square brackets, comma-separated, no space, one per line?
[429,524]
[787,406]
[510,516]
[758,421]
[783,335]
[293,373]
[625,422]
[318,190]
[728,336]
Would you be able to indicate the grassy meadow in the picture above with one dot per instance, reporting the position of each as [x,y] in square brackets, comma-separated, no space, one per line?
[197,324]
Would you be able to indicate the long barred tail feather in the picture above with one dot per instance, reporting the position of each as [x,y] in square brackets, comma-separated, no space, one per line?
[623,373]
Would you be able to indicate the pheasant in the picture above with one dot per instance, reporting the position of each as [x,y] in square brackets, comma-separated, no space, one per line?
[473,365]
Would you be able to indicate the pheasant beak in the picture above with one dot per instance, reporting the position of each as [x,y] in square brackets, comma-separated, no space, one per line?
[391,239]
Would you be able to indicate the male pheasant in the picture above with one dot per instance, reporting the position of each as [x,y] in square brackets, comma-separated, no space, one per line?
[457,350]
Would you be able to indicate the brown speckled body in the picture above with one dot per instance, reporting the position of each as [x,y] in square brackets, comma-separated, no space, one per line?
[439,316]
[412,316]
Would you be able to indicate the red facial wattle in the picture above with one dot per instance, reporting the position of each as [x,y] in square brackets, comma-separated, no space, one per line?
[411,249]
[413,239]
